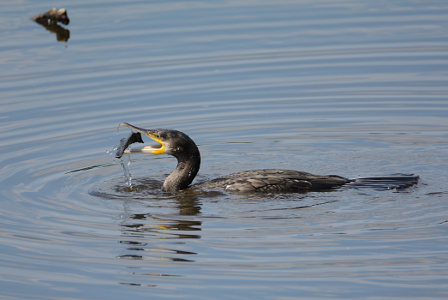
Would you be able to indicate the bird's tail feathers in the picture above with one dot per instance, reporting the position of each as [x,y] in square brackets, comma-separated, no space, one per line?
[395,181]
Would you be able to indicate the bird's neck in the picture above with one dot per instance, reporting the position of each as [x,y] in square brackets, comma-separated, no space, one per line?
[186,170]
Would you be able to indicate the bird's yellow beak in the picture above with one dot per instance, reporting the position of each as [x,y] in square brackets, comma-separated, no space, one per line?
[153,134]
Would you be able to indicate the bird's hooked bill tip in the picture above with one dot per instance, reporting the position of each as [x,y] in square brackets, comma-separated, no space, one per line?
[138,129]
[125,124]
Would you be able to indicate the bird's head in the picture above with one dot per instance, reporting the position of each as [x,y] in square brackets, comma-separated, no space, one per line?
[172,142]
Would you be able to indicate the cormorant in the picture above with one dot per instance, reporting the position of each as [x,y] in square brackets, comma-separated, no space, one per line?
[184,149]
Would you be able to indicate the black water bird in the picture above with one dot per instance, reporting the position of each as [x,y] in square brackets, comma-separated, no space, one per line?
[184,149]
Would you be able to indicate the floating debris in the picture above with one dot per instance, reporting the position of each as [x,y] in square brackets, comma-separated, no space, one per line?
[53,16]
[50,21]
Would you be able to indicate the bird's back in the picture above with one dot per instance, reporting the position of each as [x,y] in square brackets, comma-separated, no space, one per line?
[274,180]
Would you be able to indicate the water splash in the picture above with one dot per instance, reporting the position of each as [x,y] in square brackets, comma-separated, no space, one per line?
[125,162]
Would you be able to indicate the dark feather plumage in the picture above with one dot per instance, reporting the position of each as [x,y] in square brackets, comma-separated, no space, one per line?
[274,180]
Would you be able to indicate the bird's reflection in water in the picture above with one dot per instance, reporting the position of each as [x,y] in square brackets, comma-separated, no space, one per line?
[148,240]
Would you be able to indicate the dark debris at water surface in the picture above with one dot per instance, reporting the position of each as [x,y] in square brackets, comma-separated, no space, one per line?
[50,20]
[53,16]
